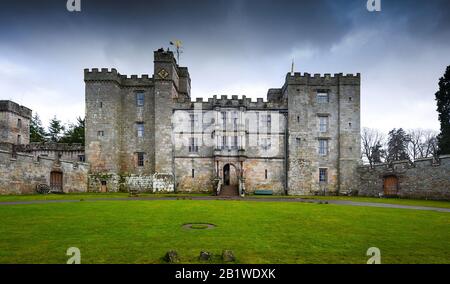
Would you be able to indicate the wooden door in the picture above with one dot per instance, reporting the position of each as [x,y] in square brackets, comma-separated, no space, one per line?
[56,181]
[391,186]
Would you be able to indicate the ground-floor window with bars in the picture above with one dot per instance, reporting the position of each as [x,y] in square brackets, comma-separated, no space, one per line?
[323,175]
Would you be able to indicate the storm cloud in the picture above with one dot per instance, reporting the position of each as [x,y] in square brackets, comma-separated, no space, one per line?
[231,47]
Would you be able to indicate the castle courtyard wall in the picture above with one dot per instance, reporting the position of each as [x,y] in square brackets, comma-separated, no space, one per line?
[423,179]
[21,173]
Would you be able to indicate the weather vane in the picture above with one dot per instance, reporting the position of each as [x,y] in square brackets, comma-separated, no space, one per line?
[178,45]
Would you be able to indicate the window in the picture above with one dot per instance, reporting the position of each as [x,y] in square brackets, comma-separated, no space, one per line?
[323,175]
[19,123]
[323,97]
[350,124]
[323,147]
[81,158]
[224,120]
[267,122]
[193,173]
[350,99]
[193,118]
[140,99]
[101,104]
[298,119]
[265,174]
[234,144]
[100,133]
[193,145]
[323,124]
[298,142]
[140,159]
[19,139]
[224,142]
[140,129]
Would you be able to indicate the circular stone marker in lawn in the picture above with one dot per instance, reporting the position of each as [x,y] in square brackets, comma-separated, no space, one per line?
[199,226]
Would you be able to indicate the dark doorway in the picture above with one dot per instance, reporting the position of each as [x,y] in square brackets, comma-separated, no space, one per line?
[56,181]
[391,186]
[226,174]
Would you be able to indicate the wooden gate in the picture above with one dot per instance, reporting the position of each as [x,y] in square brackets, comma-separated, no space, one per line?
[56,181]
[391,186]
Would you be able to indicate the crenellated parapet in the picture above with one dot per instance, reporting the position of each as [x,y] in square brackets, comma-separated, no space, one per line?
[111,75]
[441,161]
[234,102]
[321,80]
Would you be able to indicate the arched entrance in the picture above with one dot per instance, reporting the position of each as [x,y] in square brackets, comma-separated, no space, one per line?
[56,181]
[230,180]
[390,185]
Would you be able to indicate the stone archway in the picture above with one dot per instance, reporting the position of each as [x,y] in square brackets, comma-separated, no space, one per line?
[230,180]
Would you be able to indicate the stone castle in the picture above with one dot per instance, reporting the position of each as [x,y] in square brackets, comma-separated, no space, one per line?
[146,134]
[304,139]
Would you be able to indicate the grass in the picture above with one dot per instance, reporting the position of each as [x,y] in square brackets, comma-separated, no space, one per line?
[85,196]
[257,232]
[397,201]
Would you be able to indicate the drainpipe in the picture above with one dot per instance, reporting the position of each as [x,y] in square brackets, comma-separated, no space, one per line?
[286,152]
[339,137]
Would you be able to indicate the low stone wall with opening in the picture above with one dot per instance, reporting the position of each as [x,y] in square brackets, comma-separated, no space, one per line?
[21,173]
[423,179]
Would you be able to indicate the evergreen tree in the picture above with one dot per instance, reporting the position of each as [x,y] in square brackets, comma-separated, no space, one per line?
[397,145]
[443,107]
[55,130]
[74,133]
[377,154]
[37,131]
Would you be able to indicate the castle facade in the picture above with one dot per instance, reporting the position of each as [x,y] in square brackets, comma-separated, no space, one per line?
[303,139]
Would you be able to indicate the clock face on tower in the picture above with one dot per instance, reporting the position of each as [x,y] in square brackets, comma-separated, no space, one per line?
[163,73]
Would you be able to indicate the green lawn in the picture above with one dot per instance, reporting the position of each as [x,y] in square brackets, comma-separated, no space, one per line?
[257,232]
[85,196]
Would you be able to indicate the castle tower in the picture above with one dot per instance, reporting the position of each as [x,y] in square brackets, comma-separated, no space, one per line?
[324,127]
[14,123]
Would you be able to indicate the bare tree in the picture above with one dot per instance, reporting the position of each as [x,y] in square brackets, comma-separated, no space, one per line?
[422,143]
[372,145]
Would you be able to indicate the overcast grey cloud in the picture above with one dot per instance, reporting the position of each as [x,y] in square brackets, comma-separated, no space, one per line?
[231,47]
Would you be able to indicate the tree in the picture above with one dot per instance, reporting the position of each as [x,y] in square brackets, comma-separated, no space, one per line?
[372,141]
[55,130]
[74,133]
[378,154]
[422,144]
[37,131]
[397,145]
[443,108]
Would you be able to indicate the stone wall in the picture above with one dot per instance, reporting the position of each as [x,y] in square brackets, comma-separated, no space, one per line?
[21,173]
[424,179]
[70,152]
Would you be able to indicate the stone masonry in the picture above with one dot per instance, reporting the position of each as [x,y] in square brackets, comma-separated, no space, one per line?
[303,139]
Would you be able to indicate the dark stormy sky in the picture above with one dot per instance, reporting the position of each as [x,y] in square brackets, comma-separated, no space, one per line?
[231,47]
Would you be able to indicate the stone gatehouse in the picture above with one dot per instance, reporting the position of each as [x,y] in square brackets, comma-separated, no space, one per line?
[304,138]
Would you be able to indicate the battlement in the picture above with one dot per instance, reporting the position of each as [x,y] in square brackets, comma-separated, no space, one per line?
[105,74]
[162,55]
[323,79]
[49,147]
[10,106]
[443,160]
[224,101]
